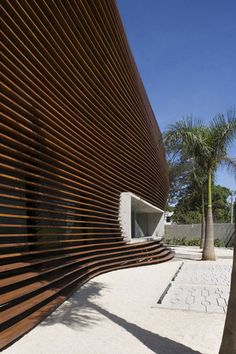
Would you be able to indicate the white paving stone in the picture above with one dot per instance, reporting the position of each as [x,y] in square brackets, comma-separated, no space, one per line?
[199,287]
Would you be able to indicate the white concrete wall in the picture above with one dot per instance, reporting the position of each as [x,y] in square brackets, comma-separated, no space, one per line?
[148,220]
[125,215]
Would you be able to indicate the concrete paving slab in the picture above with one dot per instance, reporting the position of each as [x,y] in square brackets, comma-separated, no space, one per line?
[199,287]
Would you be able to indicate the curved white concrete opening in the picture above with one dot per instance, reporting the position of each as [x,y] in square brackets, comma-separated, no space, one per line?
[139,219]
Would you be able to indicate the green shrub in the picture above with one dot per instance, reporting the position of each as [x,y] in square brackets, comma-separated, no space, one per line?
[193,242]
[218,243]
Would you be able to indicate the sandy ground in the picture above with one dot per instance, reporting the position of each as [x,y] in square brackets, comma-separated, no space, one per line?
[113,314]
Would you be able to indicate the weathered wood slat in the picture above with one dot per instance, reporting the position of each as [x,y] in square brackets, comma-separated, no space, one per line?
[76,131]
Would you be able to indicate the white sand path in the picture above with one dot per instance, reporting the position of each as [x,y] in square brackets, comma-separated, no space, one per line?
[113,314]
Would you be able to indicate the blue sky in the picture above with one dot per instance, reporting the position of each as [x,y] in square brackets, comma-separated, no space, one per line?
[185,51]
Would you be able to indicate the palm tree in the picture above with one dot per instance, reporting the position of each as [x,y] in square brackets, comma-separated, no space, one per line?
[221,134]
[199,183]
[228,344]
[207,146]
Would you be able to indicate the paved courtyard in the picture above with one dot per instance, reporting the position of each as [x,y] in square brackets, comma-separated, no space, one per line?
[114,312]
[199,287]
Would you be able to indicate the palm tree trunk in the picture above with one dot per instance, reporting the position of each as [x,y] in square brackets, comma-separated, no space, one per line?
[208,253]
[203,222]
[228,344]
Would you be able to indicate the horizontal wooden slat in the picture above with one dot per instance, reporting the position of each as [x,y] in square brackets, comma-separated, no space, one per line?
[76,131]
[85,262]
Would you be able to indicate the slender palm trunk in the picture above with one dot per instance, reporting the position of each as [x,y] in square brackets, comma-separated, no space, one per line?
[203,222]
[208,253]
[228,344]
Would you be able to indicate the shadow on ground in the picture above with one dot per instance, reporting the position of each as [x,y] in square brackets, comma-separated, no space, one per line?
[183,257]
[181,254]
[76,311]
[80,310]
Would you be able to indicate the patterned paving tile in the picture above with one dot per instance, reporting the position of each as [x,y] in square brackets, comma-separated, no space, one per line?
[203,287]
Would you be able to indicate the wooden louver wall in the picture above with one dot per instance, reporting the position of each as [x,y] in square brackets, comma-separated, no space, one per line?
[76,130]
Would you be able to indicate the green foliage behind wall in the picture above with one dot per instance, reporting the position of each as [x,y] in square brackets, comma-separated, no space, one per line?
[188,209]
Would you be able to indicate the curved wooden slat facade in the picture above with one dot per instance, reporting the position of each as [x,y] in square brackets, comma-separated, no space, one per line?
[76,130]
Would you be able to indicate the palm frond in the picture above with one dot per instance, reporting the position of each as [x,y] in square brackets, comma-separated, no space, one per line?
[187,138]
[199,177]
[223,133]
[229,163]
